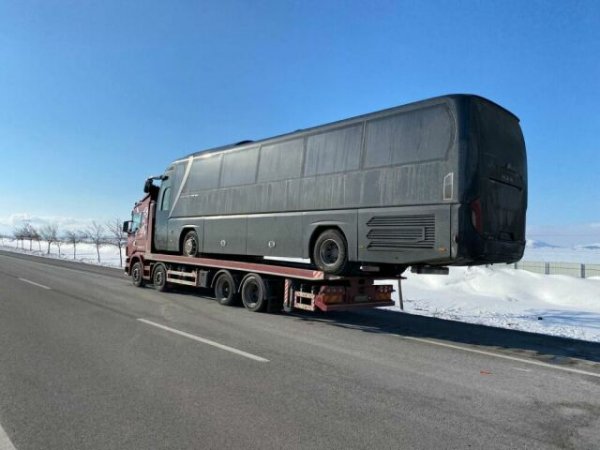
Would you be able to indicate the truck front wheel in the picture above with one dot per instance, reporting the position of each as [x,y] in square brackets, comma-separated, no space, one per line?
[137,274]
[190,244]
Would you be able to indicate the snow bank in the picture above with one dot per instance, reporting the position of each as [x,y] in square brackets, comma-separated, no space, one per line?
[559,305]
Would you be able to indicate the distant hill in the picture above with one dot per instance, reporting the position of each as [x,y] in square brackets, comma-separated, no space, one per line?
[532,243]
[587,247]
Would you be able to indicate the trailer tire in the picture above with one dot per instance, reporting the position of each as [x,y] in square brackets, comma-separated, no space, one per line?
[159,277]
[255,296]
[330,252]
[137,274]
[189,245]
[226,289]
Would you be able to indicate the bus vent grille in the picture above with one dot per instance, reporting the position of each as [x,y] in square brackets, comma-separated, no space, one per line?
[401,232]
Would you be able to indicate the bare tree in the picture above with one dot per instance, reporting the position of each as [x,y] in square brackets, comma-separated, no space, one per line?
[95,233]
[25,232]
[118,238]
[19,234]
[49,233]
[59,241]
[35,235]
[74,237]
[28,233]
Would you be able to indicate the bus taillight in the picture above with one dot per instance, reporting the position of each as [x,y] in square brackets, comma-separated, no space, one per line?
[476,216]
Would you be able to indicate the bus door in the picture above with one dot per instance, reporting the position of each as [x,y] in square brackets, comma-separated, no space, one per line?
[163,209]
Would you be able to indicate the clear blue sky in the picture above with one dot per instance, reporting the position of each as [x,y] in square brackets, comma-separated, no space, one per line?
[96,96]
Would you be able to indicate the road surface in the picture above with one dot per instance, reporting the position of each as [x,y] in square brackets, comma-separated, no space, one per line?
[87,361]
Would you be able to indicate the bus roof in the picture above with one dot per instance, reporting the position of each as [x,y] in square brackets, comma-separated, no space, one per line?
[412,105]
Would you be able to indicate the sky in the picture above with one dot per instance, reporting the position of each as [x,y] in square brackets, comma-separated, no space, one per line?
[97,96]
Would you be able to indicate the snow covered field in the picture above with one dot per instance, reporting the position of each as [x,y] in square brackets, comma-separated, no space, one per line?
[498,296]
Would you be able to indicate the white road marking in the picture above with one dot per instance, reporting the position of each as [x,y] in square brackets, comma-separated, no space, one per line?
[206,341]
[34,283]
[497,355]
[5,443]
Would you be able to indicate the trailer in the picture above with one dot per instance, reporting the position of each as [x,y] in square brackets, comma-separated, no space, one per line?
[260,285]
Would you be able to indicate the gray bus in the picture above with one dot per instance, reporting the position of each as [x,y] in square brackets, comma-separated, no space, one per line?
[434,183]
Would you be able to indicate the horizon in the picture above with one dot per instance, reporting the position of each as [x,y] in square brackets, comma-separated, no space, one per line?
[99,96]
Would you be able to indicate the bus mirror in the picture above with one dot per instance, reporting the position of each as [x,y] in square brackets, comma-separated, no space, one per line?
[126,226]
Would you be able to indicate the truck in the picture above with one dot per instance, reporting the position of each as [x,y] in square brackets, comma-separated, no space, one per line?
[259,285]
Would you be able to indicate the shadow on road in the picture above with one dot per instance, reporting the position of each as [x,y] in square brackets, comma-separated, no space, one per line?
[542,347]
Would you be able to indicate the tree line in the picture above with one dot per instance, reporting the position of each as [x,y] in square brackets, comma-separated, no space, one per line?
[110,233]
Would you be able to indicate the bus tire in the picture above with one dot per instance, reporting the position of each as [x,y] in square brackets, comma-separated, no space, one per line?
[254,293]
[159,277]
[137,274]
[190,245]
[226,289]
[330,252]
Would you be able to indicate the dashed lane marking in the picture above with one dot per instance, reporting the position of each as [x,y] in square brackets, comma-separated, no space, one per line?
[205,341]
[34,283]
[5,443]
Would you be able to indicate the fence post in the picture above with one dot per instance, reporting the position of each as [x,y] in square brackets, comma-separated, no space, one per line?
[516,267]
[583,271]
[400,298]
[547,268]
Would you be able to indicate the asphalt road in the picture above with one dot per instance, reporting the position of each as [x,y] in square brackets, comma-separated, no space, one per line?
[87,361]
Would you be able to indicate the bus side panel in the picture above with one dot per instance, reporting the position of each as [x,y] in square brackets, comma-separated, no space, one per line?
[225,235]
[405,235]
[275,235]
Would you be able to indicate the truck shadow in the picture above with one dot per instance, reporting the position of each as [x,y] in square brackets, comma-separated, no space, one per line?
[549,349]
[542,347]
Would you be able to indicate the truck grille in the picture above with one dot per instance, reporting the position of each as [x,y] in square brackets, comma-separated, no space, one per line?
[401,232]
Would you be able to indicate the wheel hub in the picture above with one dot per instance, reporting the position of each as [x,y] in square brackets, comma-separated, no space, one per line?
[329,252]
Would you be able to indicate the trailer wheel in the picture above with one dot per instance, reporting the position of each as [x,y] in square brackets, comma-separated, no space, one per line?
[225,289]
[190,244]
[330,253]
[254,293]
[159,277]
[137,274]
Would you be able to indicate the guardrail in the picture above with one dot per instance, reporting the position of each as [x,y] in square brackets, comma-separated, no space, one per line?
[560,268]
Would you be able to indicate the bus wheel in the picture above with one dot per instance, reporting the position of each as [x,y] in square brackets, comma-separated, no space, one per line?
[225,289]
[159,277]
[330,253]
[190,244]
[137,272]
[254,293]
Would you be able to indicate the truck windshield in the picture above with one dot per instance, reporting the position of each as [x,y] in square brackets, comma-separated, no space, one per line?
[136,221]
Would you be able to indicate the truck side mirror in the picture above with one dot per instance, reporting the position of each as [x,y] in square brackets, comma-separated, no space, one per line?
[126,226]
[147,185]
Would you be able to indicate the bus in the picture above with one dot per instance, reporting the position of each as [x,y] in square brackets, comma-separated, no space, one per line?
[435,183]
